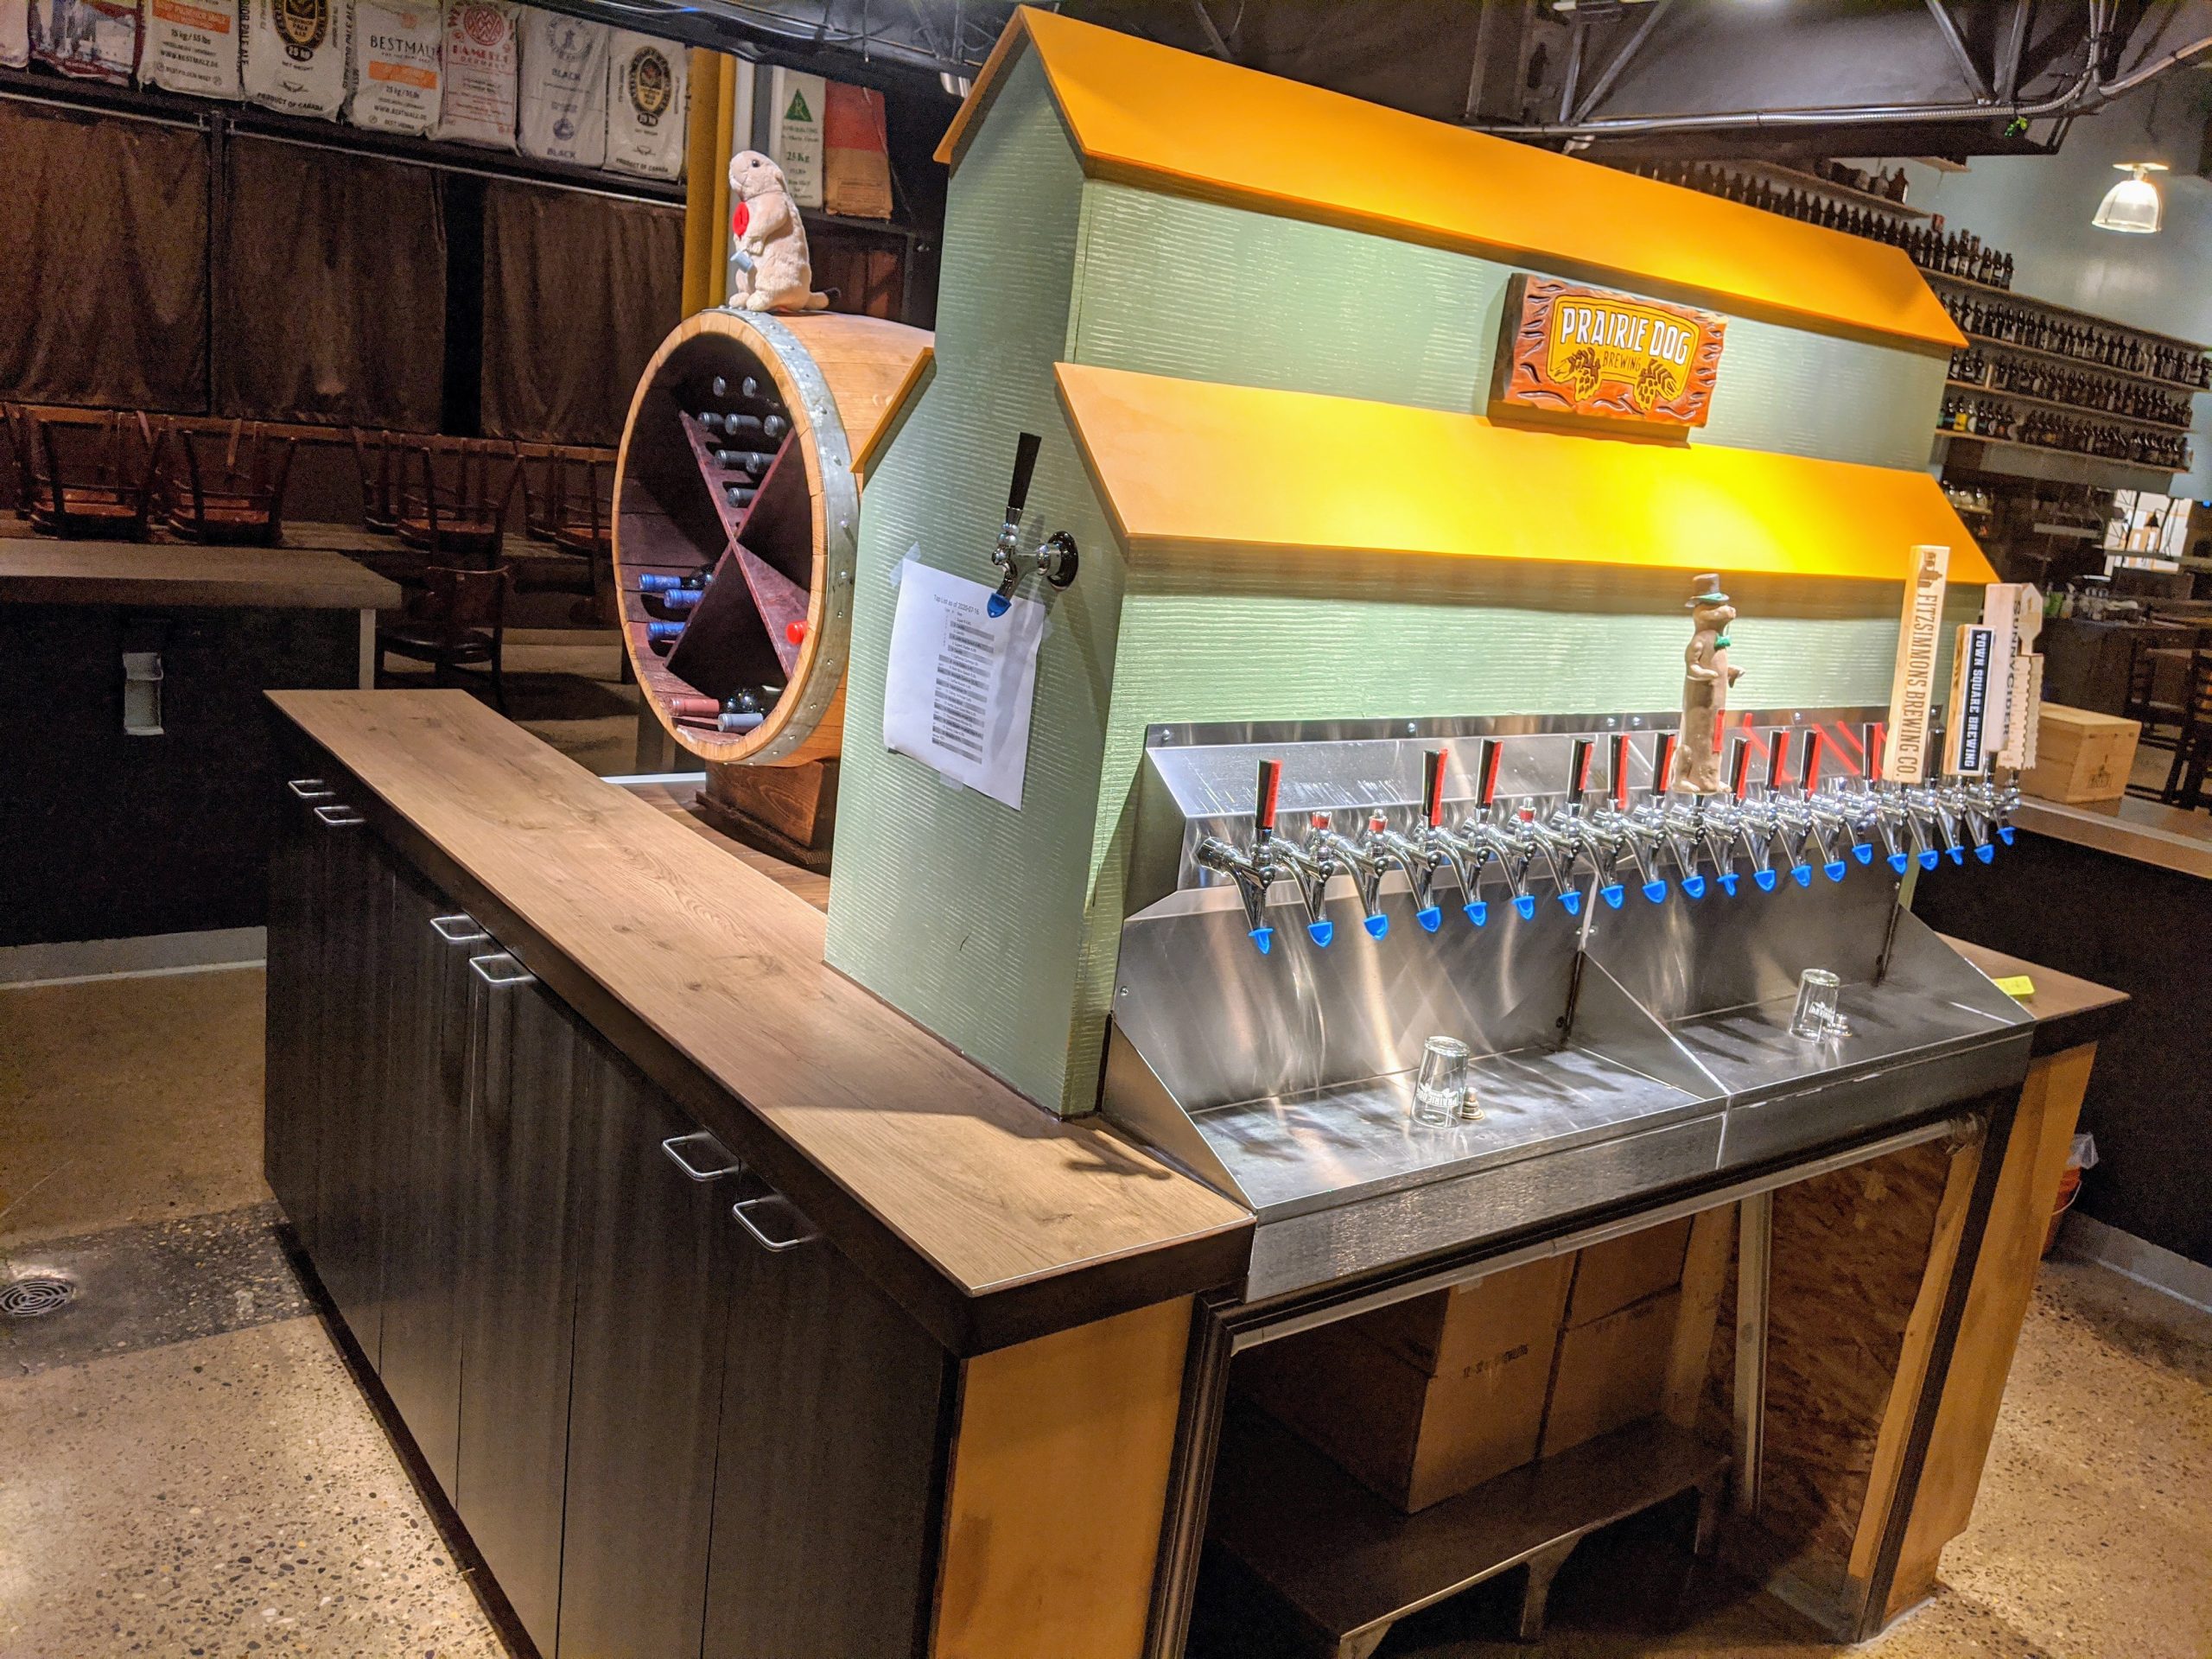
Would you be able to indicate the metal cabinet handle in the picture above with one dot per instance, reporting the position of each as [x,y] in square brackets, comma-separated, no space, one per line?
[725,1161]
[500,969]
[805,1235]
[309,789]
[458,929]
[341,816]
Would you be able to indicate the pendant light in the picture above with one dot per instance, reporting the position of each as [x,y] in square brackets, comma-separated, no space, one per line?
[2132,205]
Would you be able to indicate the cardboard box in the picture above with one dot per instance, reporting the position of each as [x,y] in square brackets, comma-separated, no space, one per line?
[1421,1402]
[2081,755]
[1611,1372]
[1610,1276]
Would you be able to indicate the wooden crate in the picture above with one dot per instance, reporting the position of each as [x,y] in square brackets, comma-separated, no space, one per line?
[2081,755]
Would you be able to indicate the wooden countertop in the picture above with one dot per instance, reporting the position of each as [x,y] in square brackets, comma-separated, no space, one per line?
[990,1220]
[42,571]
[2067,1010]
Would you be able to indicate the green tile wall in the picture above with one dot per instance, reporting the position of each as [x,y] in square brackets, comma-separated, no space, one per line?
[998,929]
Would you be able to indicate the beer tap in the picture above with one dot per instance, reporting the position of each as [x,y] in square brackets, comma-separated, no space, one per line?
[1790,820]
[1756,820]
[1679,825]
[1432,850]
[1253,872]
[1310,865]
[1478,839]
[1638,833]
[1929,807]
[1363,859]
[1560,842]
[1971,803]
[1720,823]
[1056,561]
[1824,816]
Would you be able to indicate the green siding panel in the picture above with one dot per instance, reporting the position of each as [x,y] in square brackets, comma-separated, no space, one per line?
[962,914]
[1203,291]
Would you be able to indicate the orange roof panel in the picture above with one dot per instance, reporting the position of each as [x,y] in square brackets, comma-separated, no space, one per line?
[1184,462]
[1149,114]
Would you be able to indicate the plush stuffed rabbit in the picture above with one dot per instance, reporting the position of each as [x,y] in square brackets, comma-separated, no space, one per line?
[769,267]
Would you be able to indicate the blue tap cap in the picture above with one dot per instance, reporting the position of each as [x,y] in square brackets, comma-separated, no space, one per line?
[1526,904]
[1900,862]
[1571,897]
[1321,932]
[1612,893]
[1430,918]
[1863,851]
[999,604]
[1655,891]
[2004,834]
[1377,926]
[1801,874]
[1264,937]
[1728,883]
[1833,869]
[1985,851]
[1958,855]
[1930,859]
[1693,885]
[1765,878]
[1478,912]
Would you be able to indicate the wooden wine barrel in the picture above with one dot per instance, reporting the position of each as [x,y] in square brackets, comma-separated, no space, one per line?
[737,458]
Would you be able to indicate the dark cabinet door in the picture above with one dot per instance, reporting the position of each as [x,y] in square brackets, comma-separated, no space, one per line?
[354,887]
[288,1132]
[826,1486]
[517,1284]
[424,1158]
[649,1314]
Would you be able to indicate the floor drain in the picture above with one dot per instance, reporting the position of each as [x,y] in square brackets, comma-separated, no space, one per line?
[26,1299]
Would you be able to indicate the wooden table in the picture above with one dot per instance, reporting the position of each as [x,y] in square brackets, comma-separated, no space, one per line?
[43,571]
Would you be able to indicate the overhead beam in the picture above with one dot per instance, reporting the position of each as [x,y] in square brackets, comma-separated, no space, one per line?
[1949,28]
[1215,44]
[1634,44]
[2015,41]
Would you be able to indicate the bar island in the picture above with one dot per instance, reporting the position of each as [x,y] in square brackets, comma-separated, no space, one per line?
[1346,1053]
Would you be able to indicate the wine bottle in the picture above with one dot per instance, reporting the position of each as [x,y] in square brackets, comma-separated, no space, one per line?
[656,582]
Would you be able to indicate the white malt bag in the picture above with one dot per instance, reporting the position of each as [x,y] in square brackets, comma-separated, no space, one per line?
[294,53]
[396,66]
[92,40]
[647,92]
[192,45]
[15,32]
[564,88]
[478,103]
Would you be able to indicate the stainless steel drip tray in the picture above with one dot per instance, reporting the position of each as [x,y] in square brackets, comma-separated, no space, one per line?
[1355,1140]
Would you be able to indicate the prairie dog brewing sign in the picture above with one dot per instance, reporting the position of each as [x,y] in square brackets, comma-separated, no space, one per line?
[1571,350]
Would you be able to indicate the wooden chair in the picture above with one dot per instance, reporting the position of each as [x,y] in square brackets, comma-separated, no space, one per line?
[568,501]
[455,505]
[381,458]
[2143,702]
[2193,749]
[234,493]
[459,619]
[88,479]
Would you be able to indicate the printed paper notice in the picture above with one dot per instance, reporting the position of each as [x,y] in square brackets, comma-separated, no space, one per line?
[961,683]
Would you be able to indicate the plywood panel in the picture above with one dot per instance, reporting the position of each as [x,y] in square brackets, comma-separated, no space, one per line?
[1997,1305]
[1058,1488]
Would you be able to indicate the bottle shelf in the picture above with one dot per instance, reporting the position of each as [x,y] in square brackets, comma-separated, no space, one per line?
[2084,411]
[2074,313]
[2186,464]
[2089,363]
[1805,181]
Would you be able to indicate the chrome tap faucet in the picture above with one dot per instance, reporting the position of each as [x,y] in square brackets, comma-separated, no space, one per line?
[1433,849]
[1254,871]
[1638,835]
[1478,840]
[1364,859]
[1788,824]
[1827,824]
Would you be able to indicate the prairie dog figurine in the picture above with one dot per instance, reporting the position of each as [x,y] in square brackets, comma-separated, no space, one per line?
[768,256]
[1706,676]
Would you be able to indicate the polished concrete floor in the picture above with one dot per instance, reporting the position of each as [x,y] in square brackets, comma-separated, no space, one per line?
[188,1468]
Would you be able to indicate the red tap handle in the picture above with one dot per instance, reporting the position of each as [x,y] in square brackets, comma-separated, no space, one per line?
[1870,738]
[1619,778]
[1662,764]
[1432,787]
[1486,773]
[1263,815]
[1579,772]
[1808,765]
[1739,767]
[1777,760]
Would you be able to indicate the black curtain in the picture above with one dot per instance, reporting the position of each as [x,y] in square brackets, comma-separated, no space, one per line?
[331,304]
[103,261]
[579,290]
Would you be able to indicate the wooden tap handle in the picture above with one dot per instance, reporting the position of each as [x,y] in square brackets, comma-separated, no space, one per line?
[1618,781]
[1263,814]
[1777,760]
[1486,773]
[1663,763]
[1808,764]
[1432,788]
[1578,778]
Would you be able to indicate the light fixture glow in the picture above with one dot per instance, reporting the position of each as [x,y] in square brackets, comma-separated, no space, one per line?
[2133,206]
